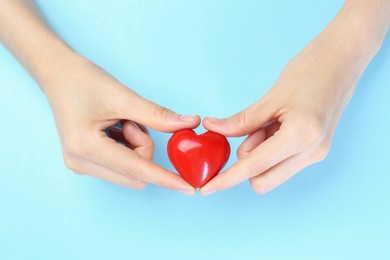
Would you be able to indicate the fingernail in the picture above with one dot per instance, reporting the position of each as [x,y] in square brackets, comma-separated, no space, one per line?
[187,192]
[136,126]
[188,118]
[213,120]
[208,192]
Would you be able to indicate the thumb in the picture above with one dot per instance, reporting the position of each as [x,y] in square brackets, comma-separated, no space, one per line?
[157,117]
[242,123]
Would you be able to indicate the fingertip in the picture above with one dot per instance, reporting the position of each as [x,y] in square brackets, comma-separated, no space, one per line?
[212,120]
[227,179]
[212,124]
[207,192]
[130,125]
[251,142]
[223,126]
[209,188]
[173,181]
[138,140]
[189,118]
[191,121]
[178,123]
[188,192]
[187,187]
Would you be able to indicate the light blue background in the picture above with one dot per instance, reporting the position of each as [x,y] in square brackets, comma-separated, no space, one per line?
[211,58]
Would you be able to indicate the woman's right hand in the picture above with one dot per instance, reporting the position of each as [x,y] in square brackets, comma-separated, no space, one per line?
[86,101]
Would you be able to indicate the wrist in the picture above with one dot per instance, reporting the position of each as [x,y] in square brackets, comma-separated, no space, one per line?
[24,32]
[54,64]
[64,67]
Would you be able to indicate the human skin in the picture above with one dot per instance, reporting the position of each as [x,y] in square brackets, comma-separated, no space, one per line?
[292,126]
[86,100]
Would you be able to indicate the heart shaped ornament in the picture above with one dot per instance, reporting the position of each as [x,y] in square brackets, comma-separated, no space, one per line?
[198,158]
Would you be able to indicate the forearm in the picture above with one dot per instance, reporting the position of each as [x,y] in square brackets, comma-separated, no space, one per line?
[346,46]
[25,34]
[370,20]
[335,60]
[359,29]
[292,126]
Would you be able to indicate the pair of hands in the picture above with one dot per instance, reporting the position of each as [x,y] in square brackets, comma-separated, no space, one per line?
[288,129]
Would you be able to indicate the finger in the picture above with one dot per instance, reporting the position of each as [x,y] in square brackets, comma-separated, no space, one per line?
[244,122]
[256,138]
[139,141]
[125,161]
[157,117]
[133,137]
[280,173]
[143,128]
[116,134]
[100,172]
[251,142]
[269,153]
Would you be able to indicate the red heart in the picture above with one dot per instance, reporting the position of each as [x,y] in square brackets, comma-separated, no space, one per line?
[198,158]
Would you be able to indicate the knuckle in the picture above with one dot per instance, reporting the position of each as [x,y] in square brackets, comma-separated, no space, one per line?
[162,112]
[321,152]
[312,130]
[72,165]
[241,118]
[259,187]
[256,169]
[135,173]
[75,144]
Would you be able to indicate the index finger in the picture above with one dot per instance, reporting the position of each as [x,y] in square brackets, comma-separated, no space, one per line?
[269,153]
[125,161]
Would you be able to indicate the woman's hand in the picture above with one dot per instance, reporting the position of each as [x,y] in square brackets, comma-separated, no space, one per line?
[292,126]
[86,101]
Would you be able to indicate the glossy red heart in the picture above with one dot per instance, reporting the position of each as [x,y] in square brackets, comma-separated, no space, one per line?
[198,158]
